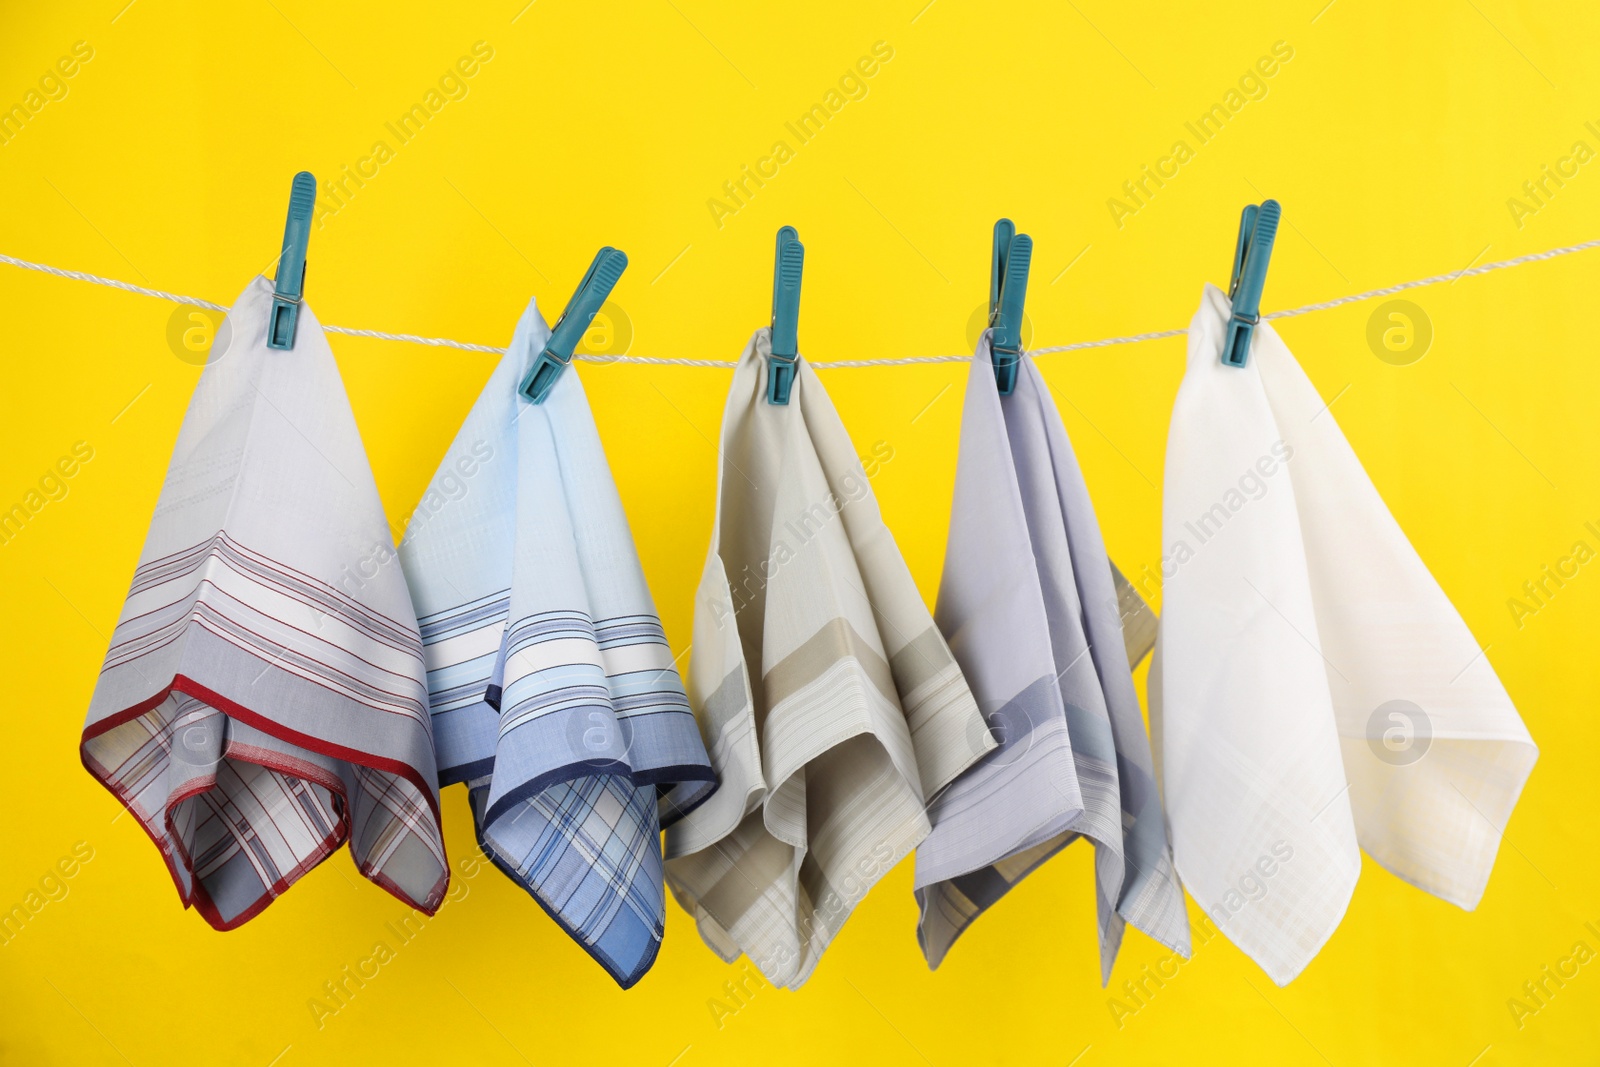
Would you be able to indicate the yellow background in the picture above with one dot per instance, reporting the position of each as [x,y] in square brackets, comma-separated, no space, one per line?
[1393,138]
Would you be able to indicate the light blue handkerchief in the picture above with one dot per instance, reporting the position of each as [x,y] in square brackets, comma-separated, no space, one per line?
[553,691]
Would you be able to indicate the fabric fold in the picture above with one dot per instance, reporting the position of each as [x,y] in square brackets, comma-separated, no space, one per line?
[262,701]
[1316,689]
[1032,608]
[828,700]
[554,694]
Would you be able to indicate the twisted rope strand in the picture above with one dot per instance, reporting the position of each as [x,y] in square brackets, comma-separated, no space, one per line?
[657,361]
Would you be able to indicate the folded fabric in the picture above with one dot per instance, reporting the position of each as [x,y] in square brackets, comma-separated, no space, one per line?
[554,694]
[262,701]
[1032,613]
[1313,686]
[830,704]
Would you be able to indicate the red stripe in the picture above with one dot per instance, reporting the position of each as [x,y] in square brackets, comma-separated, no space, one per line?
[207,605]
[222,537]
[184,684]
[199,899]
[412,709]
[352,604]
[412,648]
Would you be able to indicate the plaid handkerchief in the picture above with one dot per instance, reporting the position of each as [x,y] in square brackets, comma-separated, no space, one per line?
[263,701]
[554,694]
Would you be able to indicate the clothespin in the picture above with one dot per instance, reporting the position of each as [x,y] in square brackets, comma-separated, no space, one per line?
[289,284]
[788,264]
[1008,288]
[598,281]
[1258,228]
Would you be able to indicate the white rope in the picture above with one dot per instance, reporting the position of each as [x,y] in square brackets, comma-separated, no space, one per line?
[80,276]
[445,342]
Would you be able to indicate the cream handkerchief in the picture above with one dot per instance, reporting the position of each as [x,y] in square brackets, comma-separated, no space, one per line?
[1313,687]
[828,701]
[262,702]
[1030,605]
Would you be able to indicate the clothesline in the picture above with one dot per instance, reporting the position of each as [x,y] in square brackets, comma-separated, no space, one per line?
[1156,335]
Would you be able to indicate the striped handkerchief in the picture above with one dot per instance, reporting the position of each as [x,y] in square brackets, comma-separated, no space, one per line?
[1032,609]
[263,698]
[1316,688]
[831,705]
[554,693]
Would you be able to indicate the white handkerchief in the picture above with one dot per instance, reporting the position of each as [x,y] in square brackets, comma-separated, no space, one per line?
[1313,687]
[828,701]
[262,702]
[1030,606]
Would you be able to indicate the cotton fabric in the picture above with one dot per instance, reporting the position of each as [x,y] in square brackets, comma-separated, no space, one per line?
[1032,609]
[554,694]
[830,704]
[262,701]
[1313,689]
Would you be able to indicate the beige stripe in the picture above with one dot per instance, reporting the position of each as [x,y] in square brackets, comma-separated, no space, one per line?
[728,700]
[822,650]
[1138,621]
[920,661]
[1014,868]
[753,871]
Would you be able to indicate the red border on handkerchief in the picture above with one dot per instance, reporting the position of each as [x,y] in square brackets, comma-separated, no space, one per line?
[198,898]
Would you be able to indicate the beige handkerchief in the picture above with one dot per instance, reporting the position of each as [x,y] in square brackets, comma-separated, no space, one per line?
[830,704]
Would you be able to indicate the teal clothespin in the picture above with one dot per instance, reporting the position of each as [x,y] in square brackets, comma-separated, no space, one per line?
[1008,288]
[591,293]
[1258,228]
[788,264]
[289,284]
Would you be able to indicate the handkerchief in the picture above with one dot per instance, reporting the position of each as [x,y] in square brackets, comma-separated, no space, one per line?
[262,701]
[1032,612]
[554,693]
[1314,687]
[830,704]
